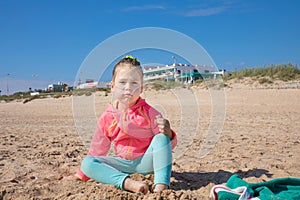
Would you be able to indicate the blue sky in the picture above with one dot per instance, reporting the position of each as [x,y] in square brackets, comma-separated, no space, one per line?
[46,41]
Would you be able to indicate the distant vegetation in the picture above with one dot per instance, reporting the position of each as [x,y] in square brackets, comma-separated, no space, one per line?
[89,91]
[283,72]
[25,97]
[162,85]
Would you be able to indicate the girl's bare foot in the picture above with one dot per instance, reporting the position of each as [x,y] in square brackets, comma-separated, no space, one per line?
[70,178]
[160,187]
[135,186]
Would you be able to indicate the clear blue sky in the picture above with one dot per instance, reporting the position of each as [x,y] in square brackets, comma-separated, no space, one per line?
[46,41]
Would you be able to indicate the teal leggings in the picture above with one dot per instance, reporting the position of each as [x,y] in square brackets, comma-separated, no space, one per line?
[114,170]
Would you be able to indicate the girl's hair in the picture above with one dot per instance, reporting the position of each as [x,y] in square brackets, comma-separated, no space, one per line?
[131,62]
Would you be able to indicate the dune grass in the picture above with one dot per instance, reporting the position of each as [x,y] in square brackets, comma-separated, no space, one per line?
[267,74]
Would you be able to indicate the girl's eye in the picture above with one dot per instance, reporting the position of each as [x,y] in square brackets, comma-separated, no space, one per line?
[122,82]
[134,83]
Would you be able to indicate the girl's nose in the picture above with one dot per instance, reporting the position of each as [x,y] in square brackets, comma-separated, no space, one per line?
[128,86]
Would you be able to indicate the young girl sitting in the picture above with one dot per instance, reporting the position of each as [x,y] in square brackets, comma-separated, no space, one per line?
[142,138]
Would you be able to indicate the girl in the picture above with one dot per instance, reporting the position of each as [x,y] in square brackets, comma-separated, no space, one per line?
[143,140]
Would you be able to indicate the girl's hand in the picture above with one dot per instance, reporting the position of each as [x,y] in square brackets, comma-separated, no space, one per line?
[164,126]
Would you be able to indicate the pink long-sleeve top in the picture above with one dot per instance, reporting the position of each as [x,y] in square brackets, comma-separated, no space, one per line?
[131,132]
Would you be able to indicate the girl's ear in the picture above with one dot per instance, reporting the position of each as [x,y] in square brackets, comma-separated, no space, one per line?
[112,85]
[142,88]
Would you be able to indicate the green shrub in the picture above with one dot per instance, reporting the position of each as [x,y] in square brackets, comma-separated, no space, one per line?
[89,91]
[284,72]
[31,98]
[162,85]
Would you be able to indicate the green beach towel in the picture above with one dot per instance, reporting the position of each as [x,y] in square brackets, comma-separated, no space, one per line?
[276,189]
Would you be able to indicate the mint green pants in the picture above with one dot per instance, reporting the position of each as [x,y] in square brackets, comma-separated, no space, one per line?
[114,170]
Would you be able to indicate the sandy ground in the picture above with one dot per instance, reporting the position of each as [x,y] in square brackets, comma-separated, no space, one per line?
[252,132]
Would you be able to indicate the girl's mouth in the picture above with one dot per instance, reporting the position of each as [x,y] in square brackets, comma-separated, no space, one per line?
[127,95]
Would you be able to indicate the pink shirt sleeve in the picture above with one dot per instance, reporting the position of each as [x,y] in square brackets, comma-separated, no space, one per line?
[100,144]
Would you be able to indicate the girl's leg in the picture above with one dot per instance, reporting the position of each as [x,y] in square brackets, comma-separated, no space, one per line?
[105,169]
[110,170]
[157,159]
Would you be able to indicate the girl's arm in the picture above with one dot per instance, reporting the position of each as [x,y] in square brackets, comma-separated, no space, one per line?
[100,146]
[100,143]
[161,125]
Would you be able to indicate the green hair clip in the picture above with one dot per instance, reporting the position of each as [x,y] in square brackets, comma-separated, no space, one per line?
[131,57]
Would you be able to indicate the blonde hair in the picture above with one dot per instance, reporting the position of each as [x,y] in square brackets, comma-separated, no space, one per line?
[128,61]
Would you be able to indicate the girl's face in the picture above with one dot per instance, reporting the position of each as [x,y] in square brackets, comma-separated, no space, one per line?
[127,85]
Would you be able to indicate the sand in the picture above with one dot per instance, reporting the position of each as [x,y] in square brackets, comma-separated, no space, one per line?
[254,133]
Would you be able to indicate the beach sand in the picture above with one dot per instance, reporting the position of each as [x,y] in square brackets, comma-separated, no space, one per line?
[254,133]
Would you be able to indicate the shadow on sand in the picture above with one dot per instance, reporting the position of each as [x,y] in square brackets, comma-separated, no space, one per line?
[196,180]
